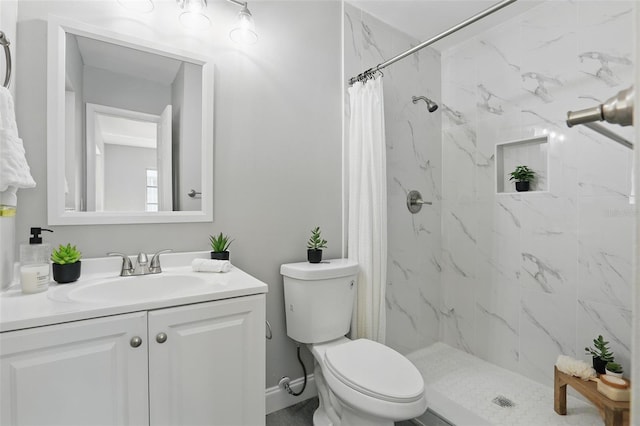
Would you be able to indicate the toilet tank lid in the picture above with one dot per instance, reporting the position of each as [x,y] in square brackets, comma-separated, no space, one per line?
[327,269]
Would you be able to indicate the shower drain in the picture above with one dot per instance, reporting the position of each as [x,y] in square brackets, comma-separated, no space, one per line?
[503,401]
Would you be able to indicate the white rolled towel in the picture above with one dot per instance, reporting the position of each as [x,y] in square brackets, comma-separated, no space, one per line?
[575,367]
[210,265]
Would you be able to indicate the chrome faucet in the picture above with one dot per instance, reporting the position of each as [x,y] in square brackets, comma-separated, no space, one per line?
[143,267]
[154,267]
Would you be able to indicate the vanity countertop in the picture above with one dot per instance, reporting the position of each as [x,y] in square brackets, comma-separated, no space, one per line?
[54,306]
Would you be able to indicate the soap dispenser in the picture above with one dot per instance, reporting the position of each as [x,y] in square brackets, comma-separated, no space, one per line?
[35,269]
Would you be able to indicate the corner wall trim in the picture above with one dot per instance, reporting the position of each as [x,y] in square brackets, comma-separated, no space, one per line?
[277,398]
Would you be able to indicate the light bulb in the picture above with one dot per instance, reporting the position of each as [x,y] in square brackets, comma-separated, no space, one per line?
[193,15]
[245,30]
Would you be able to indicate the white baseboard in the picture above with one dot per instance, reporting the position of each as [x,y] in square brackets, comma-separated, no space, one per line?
[277,398]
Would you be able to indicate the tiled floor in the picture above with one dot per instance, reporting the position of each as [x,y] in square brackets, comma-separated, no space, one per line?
[301,414]
[297,415]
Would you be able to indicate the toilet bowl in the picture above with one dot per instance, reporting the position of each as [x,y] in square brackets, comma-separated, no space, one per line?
[360,382]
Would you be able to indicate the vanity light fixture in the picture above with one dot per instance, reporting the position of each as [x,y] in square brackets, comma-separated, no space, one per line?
[193,14]
[244,32]
[139,6]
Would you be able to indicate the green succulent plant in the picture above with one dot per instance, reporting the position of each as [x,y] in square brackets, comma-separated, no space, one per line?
[65,254]
[316,242]
[614,367]
[600,349]
[220,243]
[522,174]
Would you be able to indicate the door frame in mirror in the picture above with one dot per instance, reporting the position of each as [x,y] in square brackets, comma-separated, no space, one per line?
[56,48]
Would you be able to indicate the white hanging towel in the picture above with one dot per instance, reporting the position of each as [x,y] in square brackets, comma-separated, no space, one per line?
[14,169]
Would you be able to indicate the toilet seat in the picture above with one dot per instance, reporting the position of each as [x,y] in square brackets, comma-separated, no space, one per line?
[375,370]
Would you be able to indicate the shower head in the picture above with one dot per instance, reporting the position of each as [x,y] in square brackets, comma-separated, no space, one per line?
[431,106]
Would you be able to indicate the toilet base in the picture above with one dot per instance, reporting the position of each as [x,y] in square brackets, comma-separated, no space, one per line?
[325,414]
[358,418]
[333,412]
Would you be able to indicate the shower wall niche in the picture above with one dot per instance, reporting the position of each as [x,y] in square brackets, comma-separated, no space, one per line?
[533,153]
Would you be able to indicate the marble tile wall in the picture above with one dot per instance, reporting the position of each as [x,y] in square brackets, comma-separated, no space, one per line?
[413,162]
[528,276]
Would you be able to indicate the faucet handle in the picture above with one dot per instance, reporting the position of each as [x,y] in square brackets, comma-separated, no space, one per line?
[154,267]
[142,259]
[127,267]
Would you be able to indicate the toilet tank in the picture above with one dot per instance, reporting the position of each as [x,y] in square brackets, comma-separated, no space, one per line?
[318,299]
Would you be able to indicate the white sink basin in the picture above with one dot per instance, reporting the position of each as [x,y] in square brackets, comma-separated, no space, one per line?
[132,289]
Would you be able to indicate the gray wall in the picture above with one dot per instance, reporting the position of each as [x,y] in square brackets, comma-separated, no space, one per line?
[277,140]
[186,95]
[74,126]
[125,177]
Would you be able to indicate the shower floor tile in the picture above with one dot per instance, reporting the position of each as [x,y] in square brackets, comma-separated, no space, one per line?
[492,394]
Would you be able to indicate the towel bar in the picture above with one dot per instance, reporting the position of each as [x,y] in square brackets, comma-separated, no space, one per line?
[4,41]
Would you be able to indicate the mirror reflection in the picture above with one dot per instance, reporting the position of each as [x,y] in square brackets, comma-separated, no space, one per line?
[132,130]
[129,154]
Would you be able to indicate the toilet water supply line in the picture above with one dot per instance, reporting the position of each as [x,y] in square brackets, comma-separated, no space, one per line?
[284,382]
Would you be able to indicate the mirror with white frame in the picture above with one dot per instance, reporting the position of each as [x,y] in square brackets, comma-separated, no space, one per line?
[130,129]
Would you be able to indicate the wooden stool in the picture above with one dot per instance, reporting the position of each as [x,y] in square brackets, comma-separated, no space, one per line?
[614,413]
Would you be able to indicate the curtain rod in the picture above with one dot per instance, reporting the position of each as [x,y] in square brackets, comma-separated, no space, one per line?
[366,74]
[608,133]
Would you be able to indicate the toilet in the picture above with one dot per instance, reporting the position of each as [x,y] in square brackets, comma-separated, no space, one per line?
[360,382]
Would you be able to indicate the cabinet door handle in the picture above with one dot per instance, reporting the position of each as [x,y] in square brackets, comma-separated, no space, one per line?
[161,337]
[135,341]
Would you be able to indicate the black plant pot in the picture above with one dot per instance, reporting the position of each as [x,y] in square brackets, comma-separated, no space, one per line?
[522,186]
[66,273]
[314,255]
[599,365]
[220,255]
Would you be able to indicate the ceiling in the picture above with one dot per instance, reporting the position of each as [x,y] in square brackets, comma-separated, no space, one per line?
[424,19]
[124,60]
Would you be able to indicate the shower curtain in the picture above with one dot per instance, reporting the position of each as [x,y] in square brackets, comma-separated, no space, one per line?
[367,238]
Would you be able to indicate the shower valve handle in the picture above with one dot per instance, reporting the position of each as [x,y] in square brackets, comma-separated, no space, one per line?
[415,201]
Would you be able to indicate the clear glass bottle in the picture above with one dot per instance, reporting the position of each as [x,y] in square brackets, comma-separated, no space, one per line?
[35,268]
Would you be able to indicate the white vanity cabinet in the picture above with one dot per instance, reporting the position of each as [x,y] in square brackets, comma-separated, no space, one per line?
[211,368]
[199,364]
[79,373]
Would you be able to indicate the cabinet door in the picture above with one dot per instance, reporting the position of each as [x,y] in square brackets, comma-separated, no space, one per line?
[211,368]
[79,373]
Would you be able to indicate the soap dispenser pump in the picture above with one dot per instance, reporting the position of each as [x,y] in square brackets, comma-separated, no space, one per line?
[35,269]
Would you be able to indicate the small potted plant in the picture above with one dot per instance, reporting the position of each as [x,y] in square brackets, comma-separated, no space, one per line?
[315,246]
[220,246]
[522,175]
[600,353]
[613,369]
[66,264]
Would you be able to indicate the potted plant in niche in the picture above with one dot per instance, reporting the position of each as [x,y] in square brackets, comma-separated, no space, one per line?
[315,246]
[523,175]
[220,246]
[613,369]
[66,264]
[600,353]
